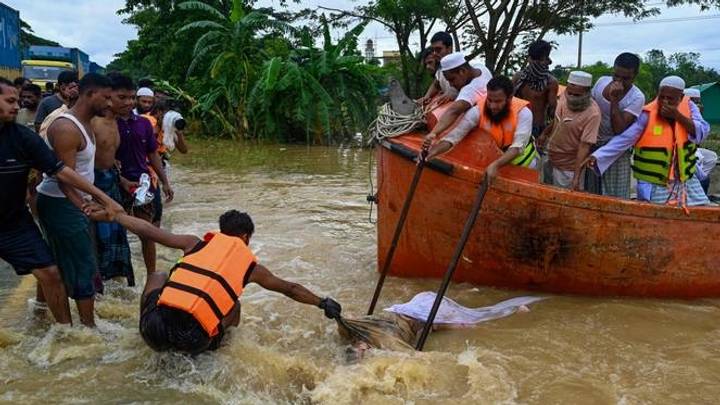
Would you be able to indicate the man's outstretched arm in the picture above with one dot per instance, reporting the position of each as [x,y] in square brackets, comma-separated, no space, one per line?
[297,292]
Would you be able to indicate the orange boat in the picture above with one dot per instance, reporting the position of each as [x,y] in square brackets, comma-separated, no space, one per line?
[532,236]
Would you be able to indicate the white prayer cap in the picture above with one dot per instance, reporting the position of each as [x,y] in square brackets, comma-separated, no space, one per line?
[693,93]
[580,78]
[452,61]
[145,92]
[676,82]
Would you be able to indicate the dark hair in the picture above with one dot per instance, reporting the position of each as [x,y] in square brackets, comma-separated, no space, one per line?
[94,81]
[20,81]
[164,328]
[5,82]
[425,53]
[443,37]
[501,83]
[236,223]
[67,77]
[539,49]
[121,82]
[32,88]
[49,86]
[146,83]
[161,104]
[628,60]
[180,124]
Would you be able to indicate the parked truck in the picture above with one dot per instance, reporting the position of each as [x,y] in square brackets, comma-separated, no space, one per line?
[43,64]
[9,42]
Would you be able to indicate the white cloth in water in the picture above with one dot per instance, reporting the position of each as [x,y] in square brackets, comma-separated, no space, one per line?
[450,312]
[168,127]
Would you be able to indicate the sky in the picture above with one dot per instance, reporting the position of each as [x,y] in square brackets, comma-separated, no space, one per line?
[95,27]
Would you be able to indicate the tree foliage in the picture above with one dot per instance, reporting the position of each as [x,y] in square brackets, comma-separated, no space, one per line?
[654,67]
[249,72]
[495,29]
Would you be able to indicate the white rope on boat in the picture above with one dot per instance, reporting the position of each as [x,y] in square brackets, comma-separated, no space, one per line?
[390,124]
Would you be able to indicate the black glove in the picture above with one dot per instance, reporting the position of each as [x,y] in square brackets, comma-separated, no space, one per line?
[331,307]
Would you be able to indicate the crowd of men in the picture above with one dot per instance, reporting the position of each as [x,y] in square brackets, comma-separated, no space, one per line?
[92,128]
[588,135]
[100,146]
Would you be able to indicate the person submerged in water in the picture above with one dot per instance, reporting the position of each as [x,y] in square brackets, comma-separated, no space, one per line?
[190,309]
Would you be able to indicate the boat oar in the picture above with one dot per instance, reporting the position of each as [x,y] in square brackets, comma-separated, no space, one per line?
[398,228]
[474,211]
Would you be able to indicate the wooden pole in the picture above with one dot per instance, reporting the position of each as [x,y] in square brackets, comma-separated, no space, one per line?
[469,223]
[398,229]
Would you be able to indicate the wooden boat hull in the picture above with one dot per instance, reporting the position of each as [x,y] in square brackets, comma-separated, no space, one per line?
[535,237]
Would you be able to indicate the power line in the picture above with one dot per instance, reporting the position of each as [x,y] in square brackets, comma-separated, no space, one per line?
[659,20]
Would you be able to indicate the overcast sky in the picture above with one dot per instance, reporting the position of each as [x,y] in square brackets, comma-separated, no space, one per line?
[95,27]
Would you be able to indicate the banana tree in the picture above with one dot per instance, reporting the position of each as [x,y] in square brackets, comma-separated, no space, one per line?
[228,51]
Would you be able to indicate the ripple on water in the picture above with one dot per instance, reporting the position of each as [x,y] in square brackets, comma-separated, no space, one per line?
[308,206]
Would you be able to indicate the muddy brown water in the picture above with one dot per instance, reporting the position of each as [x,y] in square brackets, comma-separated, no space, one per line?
[311,219]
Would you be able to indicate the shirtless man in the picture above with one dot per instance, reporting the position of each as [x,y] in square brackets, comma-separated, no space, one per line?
[535,84]
[113,250]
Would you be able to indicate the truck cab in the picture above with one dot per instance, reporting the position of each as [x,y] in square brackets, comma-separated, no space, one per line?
[44,71]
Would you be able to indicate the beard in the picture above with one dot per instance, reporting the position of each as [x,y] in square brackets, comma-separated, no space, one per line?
[497,118]
[577,104]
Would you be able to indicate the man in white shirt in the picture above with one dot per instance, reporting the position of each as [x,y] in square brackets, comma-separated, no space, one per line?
[471,82]
[620,102]
[505,118]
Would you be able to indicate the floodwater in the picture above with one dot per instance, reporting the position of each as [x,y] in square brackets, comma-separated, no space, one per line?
[311,227]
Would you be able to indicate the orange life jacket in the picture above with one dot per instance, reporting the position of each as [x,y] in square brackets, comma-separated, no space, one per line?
[208,283]
[663,147]
[504,131]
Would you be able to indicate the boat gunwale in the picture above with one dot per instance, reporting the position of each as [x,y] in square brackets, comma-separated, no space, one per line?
[562,197]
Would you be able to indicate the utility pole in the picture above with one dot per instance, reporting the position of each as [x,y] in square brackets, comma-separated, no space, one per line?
[579,59]
[580,35]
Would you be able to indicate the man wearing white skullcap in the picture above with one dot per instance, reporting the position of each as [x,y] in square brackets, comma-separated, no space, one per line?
[572,133]
[620,102]
[696,97]
[664,141]
[470,81]
[144,100]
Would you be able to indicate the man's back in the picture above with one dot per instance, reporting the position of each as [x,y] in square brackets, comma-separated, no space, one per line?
[46,107]
[539,100]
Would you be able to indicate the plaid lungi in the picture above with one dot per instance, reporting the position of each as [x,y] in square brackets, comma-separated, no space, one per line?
[695,193]
[113,250]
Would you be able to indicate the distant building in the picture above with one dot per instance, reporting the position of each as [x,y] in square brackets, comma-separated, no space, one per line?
[369,50]
[711,101]
[391,57]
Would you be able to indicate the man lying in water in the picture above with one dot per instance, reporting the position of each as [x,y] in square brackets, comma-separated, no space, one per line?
[189,310]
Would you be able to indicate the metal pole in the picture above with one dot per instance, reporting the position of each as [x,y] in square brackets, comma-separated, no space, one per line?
[474,211]
[580,36]
[398,229]
[579,58]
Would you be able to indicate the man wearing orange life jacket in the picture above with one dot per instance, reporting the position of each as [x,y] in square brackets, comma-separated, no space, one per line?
[189,310]
[507,119]
[665,139]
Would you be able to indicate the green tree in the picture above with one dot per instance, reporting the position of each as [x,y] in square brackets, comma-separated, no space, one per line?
[230,49]
[316,92]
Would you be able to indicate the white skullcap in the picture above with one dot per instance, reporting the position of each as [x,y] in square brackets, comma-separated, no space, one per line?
[452,61]
[693,93]
[676,82]
[145,92]
[580,78]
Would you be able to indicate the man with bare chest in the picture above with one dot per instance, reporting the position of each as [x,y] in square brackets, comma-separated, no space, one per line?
[113,250]
[535,84]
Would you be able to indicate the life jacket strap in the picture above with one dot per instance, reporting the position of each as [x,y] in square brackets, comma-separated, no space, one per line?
[200,293]
[210,274]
